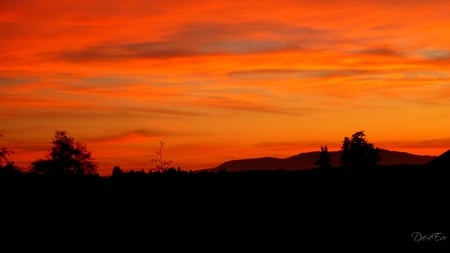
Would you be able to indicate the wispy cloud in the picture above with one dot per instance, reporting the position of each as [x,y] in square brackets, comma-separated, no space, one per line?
[199,39]
[282,145]
[87,111]
[379,51]
[160,49]
[435,54]
[121,136]
[171,49]
[440,143]
[14,80]
[269,74]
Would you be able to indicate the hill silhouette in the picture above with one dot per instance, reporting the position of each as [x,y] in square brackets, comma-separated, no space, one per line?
[306,160]
[441,161]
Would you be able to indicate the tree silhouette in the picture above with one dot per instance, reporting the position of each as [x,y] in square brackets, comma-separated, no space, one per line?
[358,152]
[324,161]
[4,153]
[7,168]
[161,164]
[117,171]
[67,157]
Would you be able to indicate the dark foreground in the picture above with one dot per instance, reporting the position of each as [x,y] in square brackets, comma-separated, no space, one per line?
[286,211]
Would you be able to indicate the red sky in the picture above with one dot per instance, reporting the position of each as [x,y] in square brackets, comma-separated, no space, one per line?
[219,80]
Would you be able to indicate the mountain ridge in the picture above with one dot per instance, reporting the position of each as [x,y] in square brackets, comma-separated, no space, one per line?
[306,160]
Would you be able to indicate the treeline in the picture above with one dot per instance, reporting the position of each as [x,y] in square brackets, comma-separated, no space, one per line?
[69,157]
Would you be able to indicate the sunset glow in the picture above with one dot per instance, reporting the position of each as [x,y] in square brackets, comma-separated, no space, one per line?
[221,80]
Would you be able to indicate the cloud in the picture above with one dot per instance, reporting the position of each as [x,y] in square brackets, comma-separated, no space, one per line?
[267,74]
[434,100]
[170,49]
[136,133]
[245,47]
[52,111]
[443,143]
[435,54]
[236,104]
[14,102]
[161,111]
[215,30]
[20,130]
[199,39]
[379,51]
[14,80]
[108,80]
[282,145]
[160,49]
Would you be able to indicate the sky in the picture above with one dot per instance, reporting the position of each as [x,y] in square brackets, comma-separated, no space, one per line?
[221,80]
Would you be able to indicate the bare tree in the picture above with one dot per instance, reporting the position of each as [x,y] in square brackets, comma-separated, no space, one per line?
[161,164]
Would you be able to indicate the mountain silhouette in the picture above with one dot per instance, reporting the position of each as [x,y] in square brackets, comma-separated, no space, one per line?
[306,160]
[441,161]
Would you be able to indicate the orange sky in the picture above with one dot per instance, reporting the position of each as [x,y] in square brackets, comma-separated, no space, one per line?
[219,80]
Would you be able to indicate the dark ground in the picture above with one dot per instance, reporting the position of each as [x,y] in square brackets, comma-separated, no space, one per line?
[283,211]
